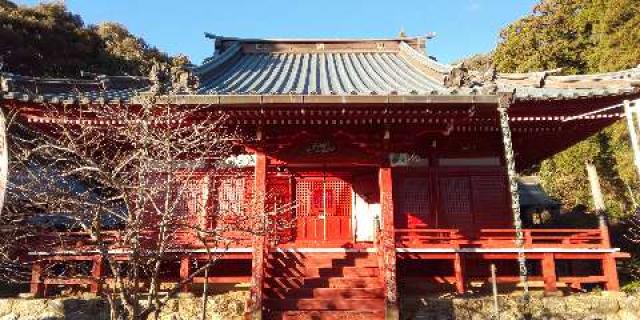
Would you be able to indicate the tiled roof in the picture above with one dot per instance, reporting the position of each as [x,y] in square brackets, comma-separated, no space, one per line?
[402,69]
[317,70]
[102,89]
[546,85]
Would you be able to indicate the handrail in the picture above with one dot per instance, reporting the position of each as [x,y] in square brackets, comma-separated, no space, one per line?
[502,237]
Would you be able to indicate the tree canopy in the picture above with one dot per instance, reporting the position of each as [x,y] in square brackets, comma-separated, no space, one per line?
[48,40]
[580,36]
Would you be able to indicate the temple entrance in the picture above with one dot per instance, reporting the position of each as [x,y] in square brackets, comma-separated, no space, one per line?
[324,209]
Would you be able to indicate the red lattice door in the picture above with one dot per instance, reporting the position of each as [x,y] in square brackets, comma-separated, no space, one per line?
[279,206]
[233,206]
[324,209]
[413,205]
[457,209]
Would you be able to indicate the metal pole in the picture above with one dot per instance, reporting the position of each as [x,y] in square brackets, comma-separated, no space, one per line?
[504,102]
[633,135]
[4,159]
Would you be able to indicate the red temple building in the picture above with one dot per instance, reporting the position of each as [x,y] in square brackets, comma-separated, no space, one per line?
[401,167]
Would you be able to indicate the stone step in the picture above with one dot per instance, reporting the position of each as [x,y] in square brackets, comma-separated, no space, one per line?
[326,304]
[325,315]
[325,293]
[322,282]
[319,262]
[313,271]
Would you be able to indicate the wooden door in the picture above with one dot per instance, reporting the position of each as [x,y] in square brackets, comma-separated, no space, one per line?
[414,203]
[456,210]
[324,209]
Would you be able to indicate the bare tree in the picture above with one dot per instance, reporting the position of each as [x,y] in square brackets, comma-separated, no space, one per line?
[131,184]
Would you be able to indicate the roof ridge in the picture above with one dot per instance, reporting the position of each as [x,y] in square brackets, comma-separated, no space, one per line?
[215,61]
[424,59]
[293,40]
[427,66]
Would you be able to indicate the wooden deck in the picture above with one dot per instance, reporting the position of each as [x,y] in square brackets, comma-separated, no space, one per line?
[415,254]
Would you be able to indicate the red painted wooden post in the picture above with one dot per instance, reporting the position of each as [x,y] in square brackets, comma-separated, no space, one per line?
[96,274]
[254,305]
[549,272]
[610,272]
[184,272]
[385,181]
[37,285]
[458,270]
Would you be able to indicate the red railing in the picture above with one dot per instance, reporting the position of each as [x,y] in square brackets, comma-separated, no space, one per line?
[569,238]
[430,237]
[501,238]
[79,240]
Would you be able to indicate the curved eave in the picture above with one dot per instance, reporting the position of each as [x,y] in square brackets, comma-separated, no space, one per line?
[64,100]
[325,99]
[556,94]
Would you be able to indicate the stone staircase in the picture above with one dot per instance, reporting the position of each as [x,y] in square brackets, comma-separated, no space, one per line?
[327,286]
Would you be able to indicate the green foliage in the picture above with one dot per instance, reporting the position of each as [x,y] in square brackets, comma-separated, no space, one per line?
[631,288]
[581,36]
[48,40]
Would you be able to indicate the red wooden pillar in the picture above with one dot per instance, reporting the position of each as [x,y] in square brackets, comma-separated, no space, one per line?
[609,267]
[549,272]
[388,244]
[184,272]
[254,305]
[610,272]
[96,274]
[37,285]
[458,270]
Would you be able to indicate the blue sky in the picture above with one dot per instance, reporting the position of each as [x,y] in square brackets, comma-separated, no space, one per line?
[463,27]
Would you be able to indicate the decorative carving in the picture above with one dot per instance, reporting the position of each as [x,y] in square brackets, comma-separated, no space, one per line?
[321,147]
[175,80]
[407,160]
[457,77]
[461,77]
[159,78]
[183,80]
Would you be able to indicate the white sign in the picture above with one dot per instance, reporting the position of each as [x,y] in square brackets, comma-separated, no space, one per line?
[239,161]
[407,160]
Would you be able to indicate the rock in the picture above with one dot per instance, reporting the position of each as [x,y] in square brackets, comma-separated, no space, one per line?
[554,306]
[628,315]
[25,309]
[5,306]
[606,305]
[580,305]
[630,303]
[9,316]
[50,316]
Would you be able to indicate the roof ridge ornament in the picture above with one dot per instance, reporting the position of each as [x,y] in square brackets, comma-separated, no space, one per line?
[178,79]
[461,77]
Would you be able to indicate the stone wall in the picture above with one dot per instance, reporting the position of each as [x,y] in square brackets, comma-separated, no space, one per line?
[594,306]
[230,306]
[225,306]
